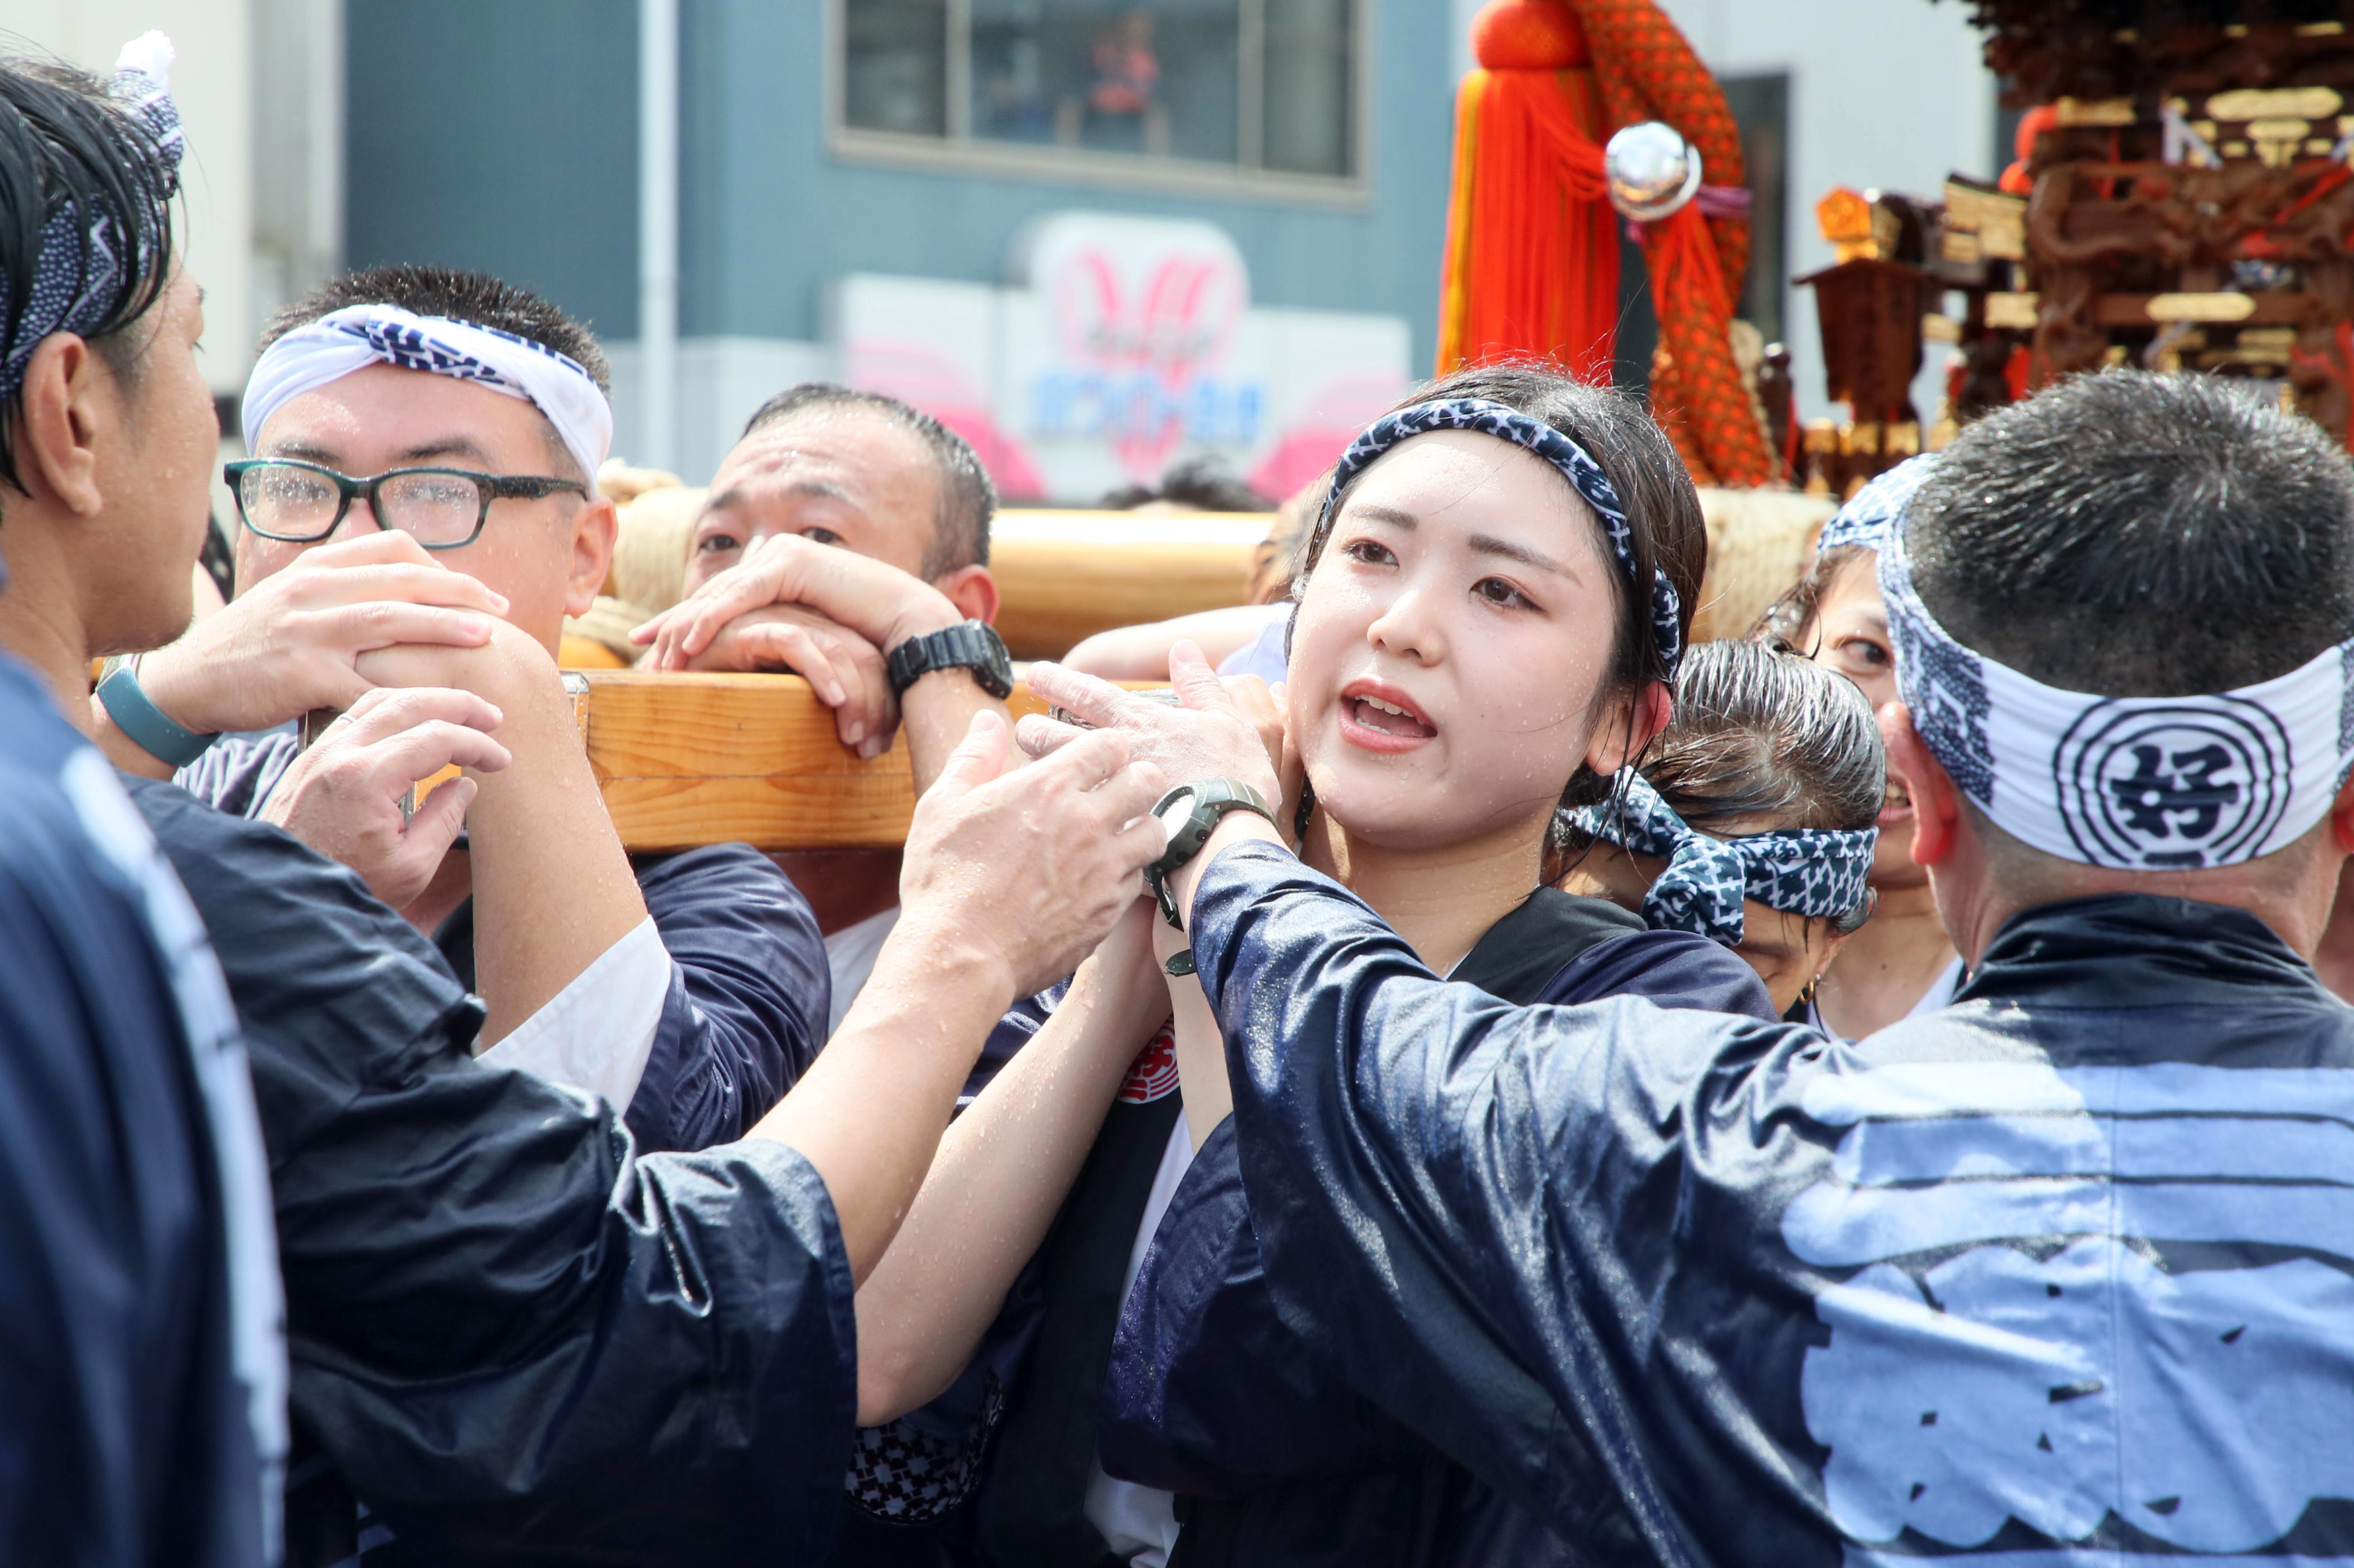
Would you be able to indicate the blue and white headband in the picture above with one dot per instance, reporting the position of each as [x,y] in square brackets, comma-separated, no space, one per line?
[2133,783]
[1866,519]
[1534,436]
[352,339]
[83,266]
[1800,871]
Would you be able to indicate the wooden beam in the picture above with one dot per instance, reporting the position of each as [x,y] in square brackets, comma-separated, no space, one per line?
[689,759]
[1064,575]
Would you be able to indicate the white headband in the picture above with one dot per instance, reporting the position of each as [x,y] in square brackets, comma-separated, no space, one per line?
[357,336]
[2134,783]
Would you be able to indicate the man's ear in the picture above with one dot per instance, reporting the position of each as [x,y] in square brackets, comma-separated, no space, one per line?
[1936,803]
[593,533]
[972,590]
[1630,725]
[59,430]
[2341,816]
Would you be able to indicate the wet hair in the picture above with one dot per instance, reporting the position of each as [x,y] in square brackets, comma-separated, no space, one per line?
[66,145]
[1762,739]
[2137,534]
[473,297]
[968,501]
[1663,516]
[1203,482]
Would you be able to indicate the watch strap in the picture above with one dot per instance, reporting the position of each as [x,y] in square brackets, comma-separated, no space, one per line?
[971,645]
[1212,798]
[150,729]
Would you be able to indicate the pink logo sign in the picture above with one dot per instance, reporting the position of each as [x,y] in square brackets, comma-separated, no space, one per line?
[1143,313]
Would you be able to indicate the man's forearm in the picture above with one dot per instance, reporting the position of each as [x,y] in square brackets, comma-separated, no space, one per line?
[1232,829]
[553,888]
[1000,1175]
[935,712]
[869,1112]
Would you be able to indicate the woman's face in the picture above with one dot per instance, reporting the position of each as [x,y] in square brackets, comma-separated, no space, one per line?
[1850,636]
[1450,645]
[1788,952]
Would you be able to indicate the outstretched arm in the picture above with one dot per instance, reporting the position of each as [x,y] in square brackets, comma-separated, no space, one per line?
[1008,882]
[1000,1175]
[1453,1198]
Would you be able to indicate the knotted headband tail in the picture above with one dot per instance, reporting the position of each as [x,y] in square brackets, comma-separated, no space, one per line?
[1800,871]
[1573,462]
[86,261]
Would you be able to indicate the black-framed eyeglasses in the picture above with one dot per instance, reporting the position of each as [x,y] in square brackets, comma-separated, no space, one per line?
[298,503]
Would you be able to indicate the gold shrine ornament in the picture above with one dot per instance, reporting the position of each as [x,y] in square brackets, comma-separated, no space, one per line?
[2275,103]
[2224,306]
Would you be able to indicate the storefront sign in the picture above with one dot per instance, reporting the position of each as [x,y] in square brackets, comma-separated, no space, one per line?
[1123,345]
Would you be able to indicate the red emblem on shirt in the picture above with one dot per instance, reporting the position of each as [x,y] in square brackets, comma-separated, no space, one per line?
[1154,1072]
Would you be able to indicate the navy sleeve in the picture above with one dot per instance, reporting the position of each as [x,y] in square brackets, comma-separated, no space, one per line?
[1667,968]
[749,996]
[1466,1209]
[1208,1392]
[120,1424]
[517,1338]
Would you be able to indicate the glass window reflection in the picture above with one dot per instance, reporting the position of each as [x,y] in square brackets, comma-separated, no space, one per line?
[1256,83]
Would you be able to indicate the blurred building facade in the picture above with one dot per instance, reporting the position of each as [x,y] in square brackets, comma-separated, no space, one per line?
[1096,235]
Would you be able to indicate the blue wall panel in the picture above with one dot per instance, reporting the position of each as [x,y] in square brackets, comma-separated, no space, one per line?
[502,135]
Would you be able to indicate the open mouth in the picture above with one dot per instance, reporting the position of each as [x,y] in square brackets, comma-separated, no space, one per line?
[1380,717]
[1896,806]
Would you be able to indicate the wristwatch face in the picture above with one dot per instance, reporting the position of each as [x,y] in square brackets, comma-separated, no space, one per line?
[1175,812]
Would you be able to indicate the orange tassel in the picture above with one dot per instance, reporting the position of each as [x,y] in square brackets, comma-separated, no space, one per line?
[1531,242]
[1531,250]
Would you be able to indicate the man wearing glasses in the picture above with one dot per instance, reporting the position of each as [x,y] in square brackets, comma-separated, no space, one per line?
[418,517]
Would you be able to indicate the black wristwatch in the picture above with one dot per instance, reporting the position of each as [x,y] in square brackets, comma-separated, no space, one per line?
[973,645]
[1192,812]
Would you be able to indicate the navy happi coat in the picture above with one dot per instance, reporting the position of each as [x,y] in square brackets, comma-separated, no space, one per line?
[2066,1269]
[1277,1461]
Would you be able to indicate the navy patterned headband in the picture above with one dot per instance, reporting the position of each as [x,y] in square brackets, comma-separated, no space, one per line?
[85,260]
[1868,520]
[1534,435]
[1800,871]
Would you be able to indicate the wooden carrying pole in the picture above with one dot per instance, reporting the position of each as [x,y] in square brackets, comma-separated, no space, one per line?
[689,759]
[1064,575]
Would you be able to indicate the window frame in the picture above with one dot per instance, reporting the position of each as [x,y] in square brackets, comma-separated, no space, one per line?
[957,150]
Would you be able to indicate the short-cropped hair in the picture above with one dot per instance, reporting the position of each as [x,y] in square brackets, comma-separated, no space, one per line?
[968,501]
[2136,534]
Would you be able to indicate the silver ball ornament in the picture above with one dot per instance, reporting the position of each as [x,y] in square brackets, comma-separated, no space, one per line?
[1651,170]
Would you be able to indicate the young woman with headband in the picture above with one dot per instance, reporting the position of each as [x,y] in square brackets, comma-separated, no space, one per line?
[1902,964]
[1490,615]
[1747,823]
[1491,608]
[1750,821]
